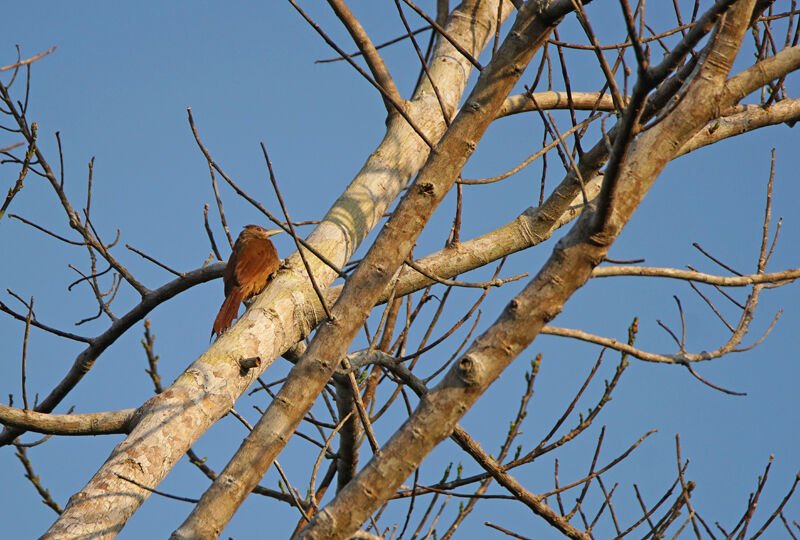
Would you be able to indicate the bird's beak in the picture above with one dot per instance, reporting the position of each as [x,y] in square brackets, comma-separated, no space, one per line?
[272,232]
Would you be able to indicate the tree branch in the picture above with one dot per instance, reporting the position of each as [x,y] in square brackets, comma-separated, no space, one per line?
[371,55]
[567,269]
[103,423]
[281,314]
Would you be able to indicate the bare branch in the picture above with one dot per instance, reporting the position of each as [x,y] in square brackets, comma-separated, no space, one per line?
[85,360]
[388,96]
[376,65]
[781,278]
[103,423]
[28,60]
[47,499]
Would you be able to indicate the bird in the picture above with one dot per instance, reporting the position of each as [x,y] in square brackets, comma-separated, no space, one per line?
[252,264]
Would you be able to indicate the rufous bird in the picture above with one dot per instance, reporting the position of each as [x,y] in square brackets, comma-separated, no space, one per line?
[251,266]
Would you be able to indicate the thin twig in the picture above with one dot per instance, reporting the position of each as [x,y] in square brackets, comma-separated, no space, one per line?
[157,492]
[387,96]
[722,264]
[4,308]
[274,181]
[505,531]
[292,491]
[453,283]
[530,159]
[712,385]
[54,235]
[25,354]
[312,483]
[381,46]
[154,261]
[44,493]
[423,63]
[29,60]
[221,210]
[210,234]
[619,102]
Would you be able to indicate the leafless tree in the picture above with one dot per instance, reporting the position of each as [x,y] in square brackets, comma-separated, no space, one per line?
[652,108]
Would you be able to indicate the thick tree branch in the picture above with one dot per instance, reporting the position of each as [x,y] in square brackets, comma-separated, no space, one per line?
[751,118]
[567,269]
[751,79]
[102,423]
[364,286]
[170,423]
[581,101]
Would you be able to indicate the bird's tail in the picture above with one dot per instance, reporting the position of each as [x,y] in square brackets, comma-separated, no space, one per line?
[228,311]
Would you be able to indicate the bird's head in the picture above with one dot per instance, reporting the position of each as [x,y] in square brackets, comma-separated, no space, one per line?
[261,231]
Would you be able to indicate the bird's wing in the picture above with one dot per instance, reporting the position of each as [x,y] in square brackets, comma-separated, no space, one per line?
[229,277]
[254,268]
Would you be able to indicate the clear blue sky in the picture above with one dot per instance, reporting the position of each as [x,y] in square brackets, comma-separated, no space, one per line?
[117,88]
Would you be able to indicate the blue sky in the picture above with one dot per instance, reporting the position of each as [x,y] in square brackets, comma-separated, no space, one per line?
[117,88]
